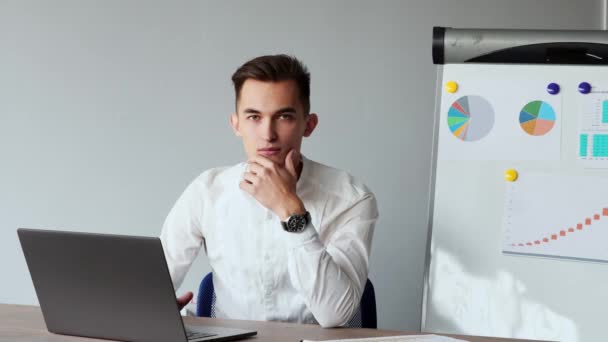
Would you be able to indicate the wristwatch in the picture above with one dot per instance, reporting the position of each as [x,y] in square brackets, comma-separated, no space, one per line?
[296,223]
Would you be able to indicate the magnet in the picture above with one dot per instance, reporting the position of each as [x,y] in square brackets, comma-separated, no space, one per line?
[553,88]
[451,87]
[511,175]
[584,88]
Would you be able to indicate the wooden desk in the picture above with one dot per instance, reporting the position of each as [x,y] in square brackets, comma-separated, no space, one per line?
[20,323]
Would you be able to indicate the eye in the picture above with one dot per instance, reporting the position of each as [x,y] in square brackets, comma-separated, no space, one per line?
[253,117]
[286,117]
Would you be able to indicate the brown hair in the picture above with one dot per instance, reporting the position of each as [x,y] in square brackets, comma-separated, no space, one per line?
[274,68]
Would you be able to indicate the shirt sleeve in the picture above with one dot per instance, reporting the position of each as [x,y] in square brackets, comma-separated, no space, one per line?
[331,276]
[182,235]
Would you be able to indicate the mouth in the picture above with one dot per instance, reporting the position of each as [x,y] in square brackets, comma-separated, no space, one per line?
[269,151]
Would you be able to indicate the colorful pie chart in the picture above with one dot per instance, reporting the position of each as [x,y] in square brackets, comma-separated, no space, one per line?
[537,118]
[470,118]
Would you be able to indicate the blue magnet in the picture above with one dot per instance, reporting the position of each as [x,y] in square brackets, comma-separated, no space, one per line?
[553,88]
[584,88]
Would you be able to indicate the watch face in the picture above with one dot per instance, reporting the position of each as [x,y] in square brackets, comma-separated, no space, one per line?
[296,223]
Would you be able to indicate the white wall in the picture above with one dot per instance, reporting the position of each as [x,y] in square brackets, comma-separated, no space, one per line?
[108,109]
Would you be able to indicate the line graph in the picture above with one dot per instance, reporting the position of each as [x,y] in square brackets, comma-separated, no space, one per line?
[557,216]
[586,223]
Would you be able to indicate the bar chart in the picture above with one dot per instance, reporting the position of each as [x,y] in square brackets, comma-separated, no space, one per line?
[593,131]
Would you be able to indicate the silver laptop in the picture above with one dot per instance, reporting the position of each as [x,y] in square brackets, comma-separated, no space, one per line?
[109,286]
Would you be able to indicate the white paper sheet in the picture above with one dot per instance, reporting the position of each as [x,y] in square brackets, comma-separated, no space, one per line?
[488,119]
[404,338]
[593,128]
[557,216]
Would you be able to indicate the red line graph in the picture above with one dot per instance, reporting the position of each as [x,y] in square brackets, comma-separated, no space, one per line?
[588,221]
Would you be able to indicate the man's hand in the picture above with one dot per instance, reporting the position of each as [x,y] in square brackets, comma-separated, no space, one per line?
[184,299]
[273,185]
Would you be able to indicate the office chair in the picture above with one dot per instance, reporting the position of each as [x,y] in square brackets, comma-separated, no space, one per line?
[365,317]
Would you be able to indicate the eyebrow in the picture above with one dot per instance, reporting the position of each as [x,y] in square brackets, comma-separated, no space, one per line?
[283,110]
[286,110]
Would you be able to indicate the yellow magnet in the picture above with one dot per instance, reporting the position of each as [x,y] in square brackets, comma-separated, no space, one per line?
[511,175]
[451,87]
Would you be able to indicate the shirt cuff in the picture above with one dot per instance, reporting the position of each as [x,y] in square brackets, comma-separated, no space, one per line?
[308,235]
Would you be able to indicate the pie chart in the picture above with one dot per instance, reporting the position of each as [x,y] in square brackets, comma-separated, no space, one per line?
[537,118]
[470,118]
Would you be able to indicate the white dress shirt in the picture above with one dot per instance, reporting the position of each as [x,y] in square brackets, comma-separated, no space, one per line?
[260,271]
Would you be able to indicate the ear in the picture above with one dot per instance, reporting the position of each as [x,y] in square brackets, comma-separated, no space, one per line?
[234,122]
[311,122]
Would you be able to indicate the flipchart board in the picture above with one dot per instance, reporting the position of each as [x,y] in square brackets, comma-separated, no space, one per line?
[518,242]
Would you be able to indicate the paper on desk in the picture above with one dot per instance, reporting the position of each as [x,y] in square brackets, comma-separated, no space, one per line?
[402,338]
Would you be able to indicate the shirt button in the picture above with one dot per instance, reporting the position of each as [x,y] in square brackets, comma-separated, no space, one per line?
[268,215]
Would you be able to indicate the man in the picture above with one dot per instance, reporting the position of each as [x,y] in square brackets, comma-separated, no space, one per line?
[288,239]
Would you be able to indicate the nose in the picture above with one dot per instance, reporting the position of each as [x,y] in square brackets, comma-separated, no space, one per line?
[268,130]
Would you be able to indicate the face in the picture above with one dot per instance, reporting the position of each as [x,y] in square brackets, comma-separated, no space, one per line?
[270,119]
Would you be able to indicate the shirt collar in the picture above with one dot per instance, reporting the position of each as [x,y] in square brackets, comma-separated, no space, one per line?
[306,164]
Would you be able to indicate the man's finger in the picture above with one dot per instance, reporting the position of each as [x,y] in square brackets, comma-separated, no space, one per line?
[265,162]
[250,178]
[255,168]
[247,187]
[297,157]
[185,299]
[289,163]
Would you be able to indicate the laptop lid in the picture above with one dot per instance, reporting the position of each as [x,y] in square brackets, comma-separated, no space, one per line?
[104,286]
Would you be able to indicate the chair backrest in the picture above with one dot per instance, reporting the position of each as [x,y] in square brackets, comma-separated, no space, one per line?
[205,303]
[368,307]
[364,318]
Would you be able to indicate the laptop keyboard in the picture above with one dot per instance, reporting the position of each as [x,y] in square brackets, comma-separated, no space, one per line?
[194,334]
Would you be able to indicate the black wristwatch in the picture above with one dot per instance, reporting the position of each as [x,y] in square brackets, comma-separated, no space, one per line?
[296,223]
